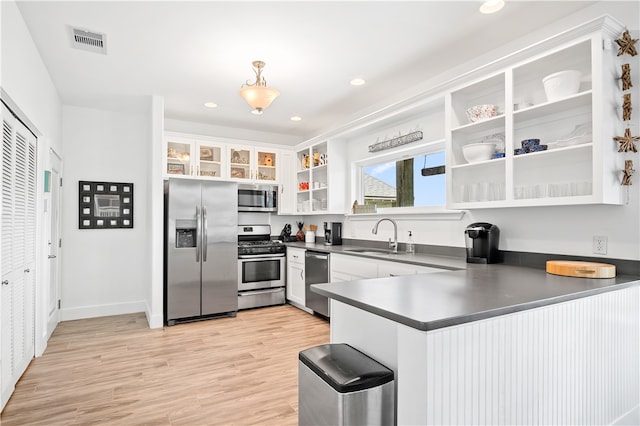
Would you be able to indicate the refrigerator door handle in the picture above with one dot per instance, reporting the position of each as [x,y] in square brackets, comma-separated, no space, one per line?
[205,227]
[198,234]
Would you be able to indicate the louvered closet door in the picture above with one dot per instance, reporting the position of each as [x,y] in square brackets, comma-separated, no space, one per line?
[18,236]
[6,237]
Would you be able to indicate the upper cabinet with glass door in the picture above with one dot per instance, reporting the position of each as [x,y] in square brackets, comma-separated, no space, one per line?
[547,136]
[190,157]
[210,160]
[252,164]
[179,157]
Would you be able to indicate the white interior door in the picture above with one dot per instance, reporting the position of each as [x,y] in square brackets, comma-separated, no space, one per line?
[54,243]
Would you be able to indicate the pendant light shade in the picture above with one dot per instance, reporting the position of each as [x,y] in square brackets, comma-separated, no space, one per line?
[257,94]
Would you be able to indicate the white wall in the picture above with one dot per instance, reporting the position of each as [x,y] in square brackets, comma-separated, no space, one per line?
[105,271]
[182,126]
[26,81]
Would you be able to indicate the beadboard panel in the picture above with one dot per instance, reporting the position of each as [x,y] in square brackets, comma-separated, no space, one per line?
[568,363]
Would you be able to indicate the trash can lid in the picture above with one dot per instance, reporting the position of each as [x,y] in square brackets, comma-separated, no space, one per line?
[345,368]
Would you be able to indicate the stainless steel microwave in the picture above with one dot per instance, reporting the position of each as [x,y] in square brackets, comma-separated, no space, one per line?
[257,198]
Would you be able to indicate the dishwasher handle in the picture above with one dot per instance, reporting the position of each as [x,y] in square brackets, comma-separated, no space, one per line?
[315,255]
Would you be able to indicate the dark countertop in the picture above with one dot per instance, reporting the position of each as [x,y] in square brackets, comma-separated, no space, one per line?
[451,297]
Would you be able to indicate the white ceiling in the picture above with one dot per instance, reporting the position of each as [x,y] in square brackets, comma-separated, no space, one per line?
[194,52]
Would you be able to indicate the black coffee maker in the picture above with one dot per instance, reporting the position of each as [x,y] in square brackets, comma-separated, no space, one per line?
[333,233]
[482,240]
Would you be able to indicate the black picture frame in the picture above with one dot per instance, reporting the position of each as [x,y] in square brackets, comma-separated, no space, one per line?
[105,205]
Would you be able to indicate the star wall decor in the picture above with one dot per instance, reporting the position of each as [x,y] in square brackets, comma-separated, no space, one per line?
[626,107]
[626,77]
[627,45]
[627,142]
[627,173]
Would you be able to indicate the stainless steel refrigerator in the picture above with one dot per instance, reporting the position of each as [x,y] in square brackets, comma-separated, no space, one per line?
[201,250]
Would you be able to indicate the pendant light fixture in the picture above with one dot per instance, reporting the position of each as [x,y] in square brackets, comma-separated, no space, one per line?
[257,94]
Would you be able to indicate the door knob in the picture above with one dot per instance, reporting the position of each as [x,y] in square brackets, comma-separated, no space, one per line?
[51,256]
[5,282]
[27,270]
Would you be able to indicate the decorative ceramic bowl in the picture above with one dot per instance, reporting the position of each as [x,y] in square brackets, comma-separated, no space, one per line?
[537,148]
[561,84]
[478,151]
[528,143]
[481,112]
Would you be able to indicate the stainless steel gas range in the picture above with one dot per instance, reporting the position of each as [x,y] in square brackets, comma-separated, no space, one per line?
[261,267]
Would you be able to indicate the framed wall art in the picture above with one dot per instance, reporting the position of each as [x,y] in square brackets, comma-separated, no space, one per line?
[104,205]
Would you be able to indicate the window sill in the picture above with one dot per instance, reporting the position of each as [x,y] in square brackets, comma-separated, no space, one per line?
[411,213]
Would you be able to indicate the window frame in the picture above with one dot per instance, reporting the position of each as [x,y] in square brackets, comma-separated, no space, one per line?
[401,153]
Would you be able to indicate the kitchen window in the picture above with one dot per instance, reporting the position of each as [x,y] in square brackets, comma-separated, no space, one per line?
[403,180]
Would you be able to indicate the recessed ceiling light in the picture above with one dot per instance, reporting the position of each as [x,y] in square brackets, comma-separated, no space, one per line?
[491,6]
[296,118]
[211,104]
[357,82]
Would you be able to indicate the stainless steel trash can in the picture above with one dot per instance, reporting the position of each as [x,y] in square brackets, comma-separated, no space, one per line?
[339,385]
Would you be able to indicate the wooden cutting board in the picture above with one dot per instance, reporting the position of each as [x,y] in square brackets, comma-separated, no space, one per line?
[573,268]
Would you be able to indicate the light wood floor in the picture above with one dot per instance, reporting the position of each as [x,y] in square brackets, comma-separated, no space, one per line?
[115,370]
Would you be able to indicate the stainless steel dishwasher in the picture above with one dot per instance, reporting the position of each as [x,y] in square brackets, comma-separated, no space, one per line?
[316,267]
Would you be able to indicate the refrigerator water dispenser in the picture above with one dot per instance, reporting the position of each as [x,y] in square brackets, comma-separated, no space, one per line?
[185,238]
[185,233]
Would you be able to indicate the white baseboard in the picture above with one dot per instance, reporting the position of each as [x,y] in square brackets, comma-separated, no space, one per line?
[155,321]
[69,314]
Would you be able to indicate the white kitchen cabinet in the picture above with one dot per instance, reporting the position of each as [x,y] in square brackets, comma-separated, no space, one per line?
[395,269]
[18,251]
[320,178]
[193,157]
[209,160]
[581,164]
[287,200]
[337,276]
[350,268]
[295,276]
[179,157]
[252,164]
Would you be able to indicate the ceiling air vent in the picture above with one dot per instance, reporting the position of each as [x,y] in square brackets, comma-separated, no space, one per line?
[88,40]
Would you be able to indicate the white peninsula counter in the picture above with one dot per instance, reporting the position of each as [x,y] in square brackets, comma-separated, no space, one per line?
[498,344]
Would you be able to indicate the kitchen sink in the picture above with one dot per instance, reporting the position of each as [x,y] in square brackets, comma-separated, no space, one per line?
[369,251]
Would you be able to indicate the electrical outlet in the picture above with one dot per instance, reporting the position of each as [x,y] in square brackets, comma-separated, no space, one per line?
[599,244]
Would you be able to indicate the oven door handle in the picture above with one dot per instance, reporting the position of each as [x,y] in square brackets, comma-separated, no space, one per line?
[260,256]
[261,291]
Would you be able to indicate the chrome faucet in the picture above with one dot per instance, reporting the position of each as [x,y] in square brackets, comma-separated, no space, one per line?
[392,245]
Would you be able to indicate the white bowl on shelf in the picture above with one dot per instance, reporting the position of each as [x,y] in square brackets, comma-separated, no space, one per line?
[561,84]
[481,112]
[475,152]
